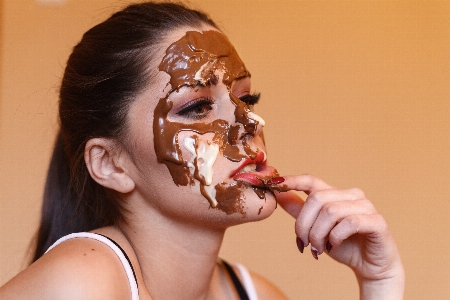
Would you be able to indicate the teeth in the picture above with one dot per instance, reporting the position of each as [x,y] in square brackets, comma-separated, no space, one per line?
[248,168]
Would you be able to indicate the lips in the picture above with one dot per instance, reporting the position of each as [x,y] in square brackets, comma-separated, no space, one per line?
[255,171]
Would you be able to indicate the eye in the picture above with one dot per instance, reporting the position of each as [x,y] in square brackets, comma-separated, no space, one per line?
[250,99]
[197,109]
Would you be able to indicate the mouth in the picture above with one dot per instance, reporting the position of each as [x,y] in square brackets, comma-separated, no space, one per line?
[255,171]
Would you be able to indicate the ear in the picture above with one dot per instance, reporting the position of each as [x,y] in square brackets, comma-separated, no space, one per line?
[106,164]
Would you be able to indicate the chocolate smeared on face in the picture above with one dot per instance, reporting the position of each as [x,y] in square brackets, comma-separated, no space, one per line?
[167,147]
[192,61]
[260,209]
[230,198]
[260,192]
[197,56]
[232,152]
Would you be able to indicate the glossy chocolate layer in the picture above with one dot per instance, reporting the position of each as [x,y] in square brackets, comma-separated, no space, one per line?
[260,192]
[230,198]
[278,188]
[192,61]
[197,56]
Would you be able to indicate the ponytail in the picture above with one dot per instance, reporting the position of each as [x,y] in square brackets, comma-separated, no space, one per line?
[56,189]
[62,209]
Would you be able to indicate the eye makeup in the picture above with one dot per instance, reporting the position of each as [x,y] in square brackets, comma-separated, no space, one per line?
[196,109]
[199,108]
[250,99]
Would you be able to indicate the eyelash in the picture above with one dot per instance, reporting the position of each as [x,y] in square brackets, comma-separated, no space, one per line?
[196,108]
[250,99]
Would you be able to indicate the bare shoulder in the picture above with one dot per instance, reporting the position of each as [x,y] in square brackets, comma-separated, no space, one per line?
[265,289]
[80,268]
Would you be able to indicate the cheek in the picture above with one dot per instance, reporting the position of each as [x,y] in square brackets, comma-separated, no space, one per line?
[200,153]
[211,169]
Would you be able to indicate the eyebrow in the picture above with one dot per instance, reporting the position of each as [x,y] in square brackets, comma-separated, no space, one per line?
[193,87]
[208,83]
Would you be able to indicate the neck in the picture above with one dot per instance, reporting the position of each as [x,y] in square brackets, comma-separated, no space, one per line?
[177,259]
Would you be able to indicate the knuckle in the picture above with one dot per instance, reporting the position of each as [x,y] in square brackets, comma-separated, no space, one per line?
[369,206]
[312,197]
[383,227]
[358,193]
[309,179]
[335,237]
[330,210]
[354,221]
[316,197]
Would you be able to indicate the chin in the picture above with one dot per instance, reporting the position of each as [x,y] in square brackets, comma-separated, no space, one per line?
[257,208]
[248,207]
[242,200]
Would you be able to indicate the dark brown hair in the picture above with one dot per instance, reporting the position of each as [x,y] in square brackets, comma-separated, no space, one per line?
[104,74]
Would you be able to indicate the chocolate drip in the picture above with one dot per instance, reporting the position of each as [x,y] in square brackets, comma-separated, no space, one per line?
[252,154]
[233,135]
[241,115]
[231,151]
[206,195]
[260,192]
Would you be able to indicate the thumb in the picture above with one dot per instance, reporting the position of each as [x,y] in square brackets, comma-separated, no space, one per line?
[290,202]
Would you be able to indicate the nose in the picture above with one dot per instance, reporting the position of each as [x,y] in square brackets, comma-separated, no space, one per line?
[260,121]
[251,122]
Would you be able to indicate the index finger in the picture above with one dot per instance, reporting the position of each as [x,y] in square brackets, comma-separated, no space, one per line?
[305,183]
[290,202]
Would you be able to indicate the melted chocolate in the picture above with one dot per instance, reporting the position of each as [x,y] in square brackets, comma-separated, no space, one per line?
[241,115]
[278,188]
[260,209]
[167,147]
[192,61]
[205,52]
[260,192]
[230,198]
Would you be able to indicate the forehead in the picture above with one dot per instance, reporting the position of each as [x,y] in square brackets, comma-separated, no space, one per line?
[195,57]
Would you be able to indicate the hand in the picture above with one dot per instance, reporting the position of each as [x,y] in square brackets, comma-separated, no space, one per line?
[346,225]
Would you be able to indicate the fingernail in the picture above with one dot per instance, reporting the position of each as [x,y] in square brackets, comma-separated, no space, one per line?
[328,246]
[315,253]
[275,180]
[300,245]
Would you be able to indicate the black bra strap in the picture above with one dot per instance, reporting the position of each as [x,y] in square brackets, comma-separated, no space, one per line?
[237,283]
[124,253]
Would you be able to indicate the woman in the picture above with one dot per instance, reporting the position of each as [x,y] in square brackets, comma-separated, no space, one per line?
[159,152]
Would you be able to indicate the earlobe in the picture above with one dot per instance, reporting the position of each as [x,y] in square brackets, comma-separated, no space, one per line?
[106,166]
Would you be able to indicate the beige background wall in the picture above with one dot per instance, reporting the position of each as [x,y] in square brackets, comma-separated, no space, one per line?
[354,92]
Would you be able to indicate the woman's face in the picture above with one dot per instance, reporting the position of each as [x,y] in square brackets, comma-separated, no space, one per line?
[197,147]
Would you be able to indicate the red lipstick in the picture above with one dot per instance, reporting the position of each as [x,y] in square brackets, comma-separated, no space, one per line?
[260,159]
[257,177]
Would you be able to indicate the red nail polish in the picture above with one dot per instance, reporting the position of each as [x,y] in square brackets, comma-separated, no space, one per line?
[328,246]
[300,245]
[275,180]
[315,253]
